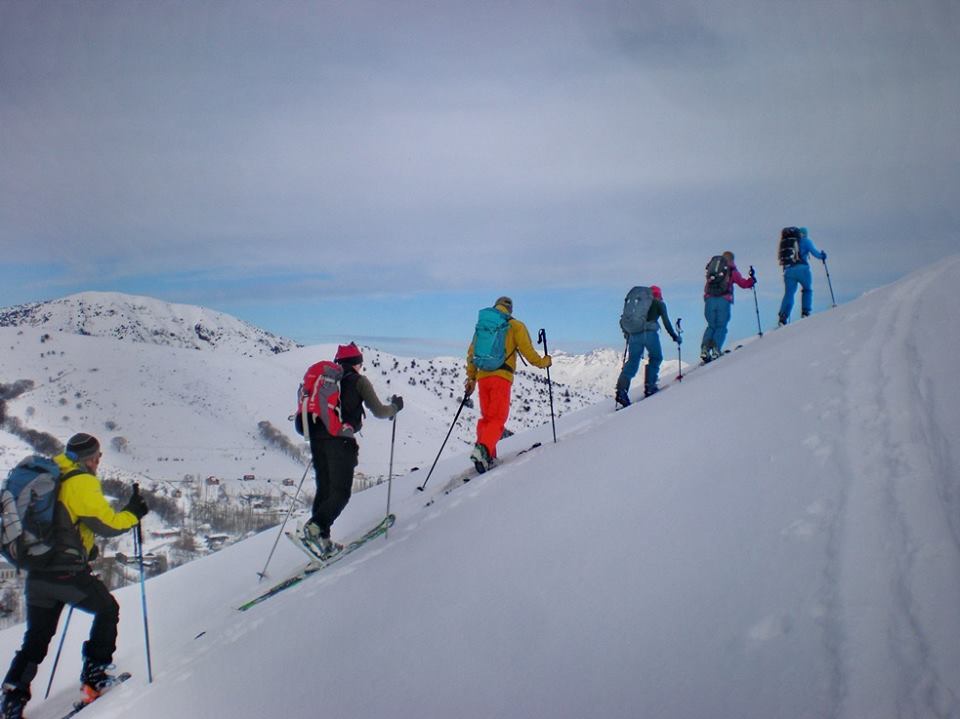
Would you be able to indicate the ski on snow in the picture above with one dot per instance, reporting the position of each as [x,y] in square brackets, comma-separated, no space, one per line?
[316,562]
[80,706]
[465,476]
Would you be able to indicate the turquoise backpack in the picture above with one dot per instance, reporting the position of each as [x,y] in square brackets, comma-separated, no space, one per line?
[489,339]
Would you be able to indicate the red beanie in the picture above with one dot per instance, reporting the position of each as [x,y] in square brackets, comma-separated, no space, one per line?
[657,293]
[348,354]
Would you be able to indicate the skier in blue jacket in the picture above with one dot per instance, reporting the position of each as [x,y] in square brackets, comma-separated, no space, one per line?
[797,272]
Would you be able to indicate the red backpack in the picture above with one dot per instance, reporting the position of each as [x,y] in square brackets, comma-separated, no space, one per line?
[319,396]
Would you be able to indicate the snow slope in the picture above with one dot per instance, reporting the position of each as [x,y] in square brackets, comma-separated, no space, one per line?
[776,536]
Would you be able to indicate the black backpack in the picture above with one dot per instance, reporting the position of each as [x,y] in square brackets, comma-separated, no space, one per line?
[789,252]
[718,276]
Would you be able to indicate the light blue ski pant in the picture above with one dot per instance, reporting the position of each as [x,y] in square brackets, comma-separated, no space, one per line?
[636,344]
[716,310]
[793,276]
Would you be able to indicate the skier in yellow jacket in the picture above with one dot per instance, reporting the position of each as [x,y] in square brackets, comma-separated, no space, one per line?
[495,385]
[81,512]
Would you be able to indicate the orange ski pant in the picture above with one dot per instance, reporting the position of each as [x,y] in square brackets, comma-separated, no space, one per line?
[494,394]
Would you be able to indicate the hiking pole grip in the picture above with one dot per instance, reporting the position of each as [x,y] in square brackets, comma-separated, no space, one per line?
[542,339]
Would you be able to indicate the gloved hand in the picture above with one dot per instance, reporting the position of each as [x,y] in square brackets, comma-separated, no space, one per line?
[678,339]
[823,255]
[468,386]
[753,274]
[397,402]
[137,506]
[548,361]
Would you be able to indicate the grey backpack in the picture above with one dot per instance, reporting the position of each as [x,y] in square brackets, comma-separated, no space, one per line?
[636,306]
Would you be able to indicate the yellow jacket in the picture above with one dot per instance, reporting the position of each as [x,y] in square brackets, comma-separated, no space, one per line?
[88,512]
[516,340]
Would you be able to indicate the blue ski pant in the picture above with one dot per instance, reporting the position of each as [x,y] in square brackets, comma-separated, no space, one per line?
[636,344]
[716,310]
[793,276]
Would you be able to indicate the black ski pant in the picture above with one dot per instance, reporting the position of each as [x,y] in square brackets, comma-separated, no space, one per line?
[334,460]
[47,593]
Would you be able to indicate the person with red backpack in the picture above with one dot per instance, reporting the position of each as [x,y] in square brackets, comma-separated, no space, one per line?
[334,447]
[67,578]
[722,274]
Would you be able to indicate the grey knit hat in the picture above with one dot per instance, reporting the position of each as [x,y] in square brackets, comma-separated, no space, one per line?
[83,446]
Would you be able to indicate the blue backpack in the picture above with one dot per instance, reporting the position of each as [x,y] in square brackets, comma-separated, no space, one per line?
[27,503]
[489,339]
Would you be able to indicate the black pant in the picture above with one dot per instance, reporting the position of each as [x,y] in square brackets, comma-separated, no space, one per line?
[47,593]
[333,462]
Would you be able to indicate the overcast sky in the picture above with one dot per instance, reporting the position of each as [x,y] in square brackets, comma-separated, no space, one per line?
[383,169]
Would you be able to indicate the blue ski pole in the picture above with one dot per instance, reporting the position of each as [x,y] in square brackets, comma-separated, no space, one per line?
[138,547]
[56,659]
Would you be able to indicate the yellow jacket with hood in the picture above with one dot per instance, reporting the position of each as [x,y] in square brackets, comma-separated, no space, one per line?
[516,340]
[83,512]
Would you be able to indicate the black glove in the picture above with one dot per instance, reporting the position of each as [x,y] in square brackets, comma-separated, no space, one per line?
[753,274]
[397,402]
[137,506]
[678,339]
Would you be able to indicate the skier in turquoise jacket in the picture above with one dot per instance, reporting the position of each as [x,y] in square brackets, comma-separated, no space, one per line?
[799,274]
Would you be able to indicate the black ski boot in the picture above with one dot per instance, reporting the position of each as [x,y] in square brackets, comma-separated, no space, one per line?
[96,679]
[14,700]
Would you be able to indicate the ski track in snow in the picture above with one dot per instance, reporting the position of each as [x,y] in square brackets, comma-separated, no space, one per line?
[885,376]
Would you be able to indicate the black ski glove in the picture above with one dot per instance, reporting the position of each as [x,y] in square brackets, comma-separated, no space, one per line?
[397,402]
[137,506]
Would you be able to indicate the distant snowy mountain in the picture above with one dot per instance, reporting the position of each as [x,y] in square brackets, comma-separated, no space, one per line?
[596,371]
[147,320]
[776,536]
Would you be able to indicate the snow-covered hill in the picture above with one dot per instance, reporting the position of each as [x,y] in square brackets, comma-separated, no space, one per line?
[776,536]
[125,369]
[148,320]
